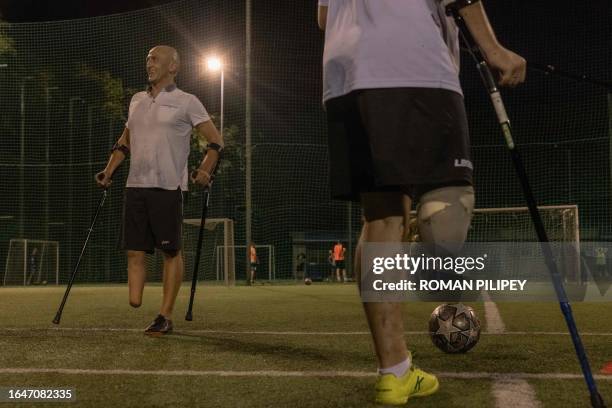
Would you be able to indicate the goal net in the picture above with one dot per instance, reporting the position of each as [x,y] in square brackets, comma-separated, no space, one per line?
[311,254]
[31,262]
[513,225]
[213,266]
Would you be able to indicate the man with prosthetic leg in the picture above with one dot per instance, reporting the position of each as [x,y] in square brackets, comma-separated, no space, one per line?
[157,139]
[397,134]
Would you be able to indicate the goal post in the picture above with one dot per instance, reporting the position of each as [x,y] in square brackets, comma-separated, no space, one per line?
[265,253]
[31,262]
[217,232]
[514,224]
[560,221]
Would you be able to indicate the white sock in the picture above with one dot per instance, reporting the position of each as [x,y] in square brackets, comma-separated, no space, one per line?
[397,370]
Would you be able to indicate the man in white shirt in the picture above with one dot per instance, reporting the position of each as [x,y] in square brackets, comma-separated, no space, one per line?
[397,134]
[157,137]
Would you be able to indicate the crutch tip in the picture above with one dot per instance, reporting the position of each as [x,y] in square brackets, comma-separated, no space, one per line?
[597,401]
[56,320]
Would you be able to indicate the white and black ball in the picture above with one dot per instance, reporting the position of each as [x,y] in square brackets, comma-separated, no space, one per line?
[454,328]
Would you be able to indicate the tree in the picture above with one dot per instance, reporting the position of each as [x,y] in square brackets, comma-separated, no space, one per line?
[111,93]
[233,152]
[7,45]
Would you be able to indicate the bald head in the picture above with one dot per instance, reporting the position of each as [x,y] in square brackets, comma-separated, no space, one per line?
[162,64]
[167,51]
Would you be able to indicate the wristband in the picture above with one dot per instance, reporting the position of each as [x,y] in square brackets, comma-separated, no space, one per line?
[122,148]
[215,146]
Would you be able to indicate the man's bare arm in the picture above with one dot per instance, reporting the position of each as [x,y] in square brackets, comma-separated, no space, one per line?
[510,66]
[322,17]
[209,132]
[116,158]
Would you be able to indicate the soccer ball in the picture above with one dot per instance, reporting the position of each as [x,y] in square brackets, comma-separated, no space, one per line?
[454,328]
[308,281]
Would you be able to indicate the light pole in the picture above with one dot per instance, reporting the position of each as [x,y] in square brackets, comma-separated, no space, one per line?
[214,64]
[47,160]
[70,169]
[247,125]
[22,155]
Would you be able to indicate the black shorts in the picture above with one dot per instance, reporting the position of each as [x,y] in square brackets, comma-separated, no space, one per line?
[397,139]
[152,218]
[340,265]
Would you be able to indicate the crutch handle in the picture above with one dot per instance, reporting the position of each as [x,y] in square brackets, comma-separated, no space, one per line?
[100,177]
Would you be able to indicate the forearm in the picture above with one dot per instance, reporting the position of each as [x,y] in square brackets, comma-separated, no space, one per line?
[214,138]
[210,160]
[509,67]
[322,17]
[116,158]
[118,155]
[209,132]
[477,22]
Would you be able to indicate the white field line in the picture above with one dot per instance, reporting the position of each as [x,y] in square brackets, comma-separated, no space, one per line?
[280,333]
[507,392]
[495,324]
[515,393]
[277,373]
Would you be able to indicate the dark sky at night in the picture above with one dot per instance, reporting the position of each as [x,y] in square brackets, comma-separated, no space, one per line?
[37,10]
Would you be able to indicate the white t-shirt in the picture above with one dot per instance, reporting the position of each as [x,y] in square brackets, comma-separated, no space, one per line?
[160,133]
[388,44]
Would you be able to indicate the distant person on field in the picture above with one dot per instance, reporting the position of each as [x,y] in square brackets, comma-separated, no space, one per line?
[339,253]
[254,262]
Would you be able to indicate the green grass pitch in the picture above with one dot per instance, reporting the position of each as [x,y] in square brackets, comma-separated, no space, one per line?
[274,346]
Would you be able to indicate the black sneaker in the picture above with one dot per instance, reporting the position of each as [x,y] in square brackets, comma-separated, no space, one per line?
[159,326]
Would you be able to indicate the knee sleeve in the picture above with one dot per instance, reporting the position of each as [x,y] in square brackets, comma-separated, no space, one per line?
[444,215]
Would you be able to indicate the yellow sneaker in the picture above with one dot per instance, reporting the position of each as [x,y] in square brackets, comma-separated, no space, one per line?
[391,390]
